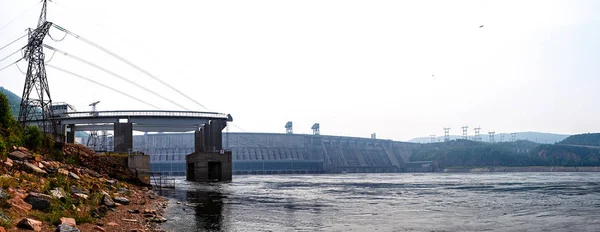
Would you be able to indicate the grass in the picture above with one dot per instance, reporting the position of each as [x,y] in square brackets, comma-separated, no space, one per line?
[5,219]
[8,181]
[59,209]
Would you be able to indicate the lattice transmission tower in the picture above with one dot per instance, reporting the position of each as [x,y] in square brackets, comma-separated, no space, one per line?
[36,103]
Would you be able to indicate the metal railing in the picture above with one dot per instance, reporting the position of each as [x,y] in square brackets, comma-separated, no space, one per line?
[191,114]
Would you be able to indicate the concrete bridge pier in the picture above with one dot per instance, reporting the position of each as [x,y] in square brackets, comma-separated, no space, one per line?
[123,137]
[209,162]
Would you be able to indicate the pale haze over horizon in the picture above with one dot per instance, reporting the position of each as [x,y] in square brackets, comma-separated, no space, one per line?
[401,69]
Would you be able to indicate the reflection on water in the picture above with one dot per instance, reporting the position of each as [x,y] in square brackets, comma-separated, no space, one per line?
[209,209]
[389,202]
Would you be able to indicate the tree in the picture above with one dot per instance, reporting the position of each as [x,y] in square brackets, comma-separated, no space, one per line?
[5,114]
[33,137]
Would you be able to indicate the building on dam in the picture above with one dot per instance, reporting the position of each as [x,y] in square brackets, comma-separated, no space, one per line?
[272,153]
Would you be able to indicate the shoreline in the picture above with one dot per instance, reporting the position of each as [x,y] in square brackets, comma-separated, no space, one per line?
[523,169]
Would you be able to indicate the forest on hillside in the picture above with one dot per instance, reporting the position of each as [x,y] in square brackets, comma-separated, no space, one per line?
[589,139]
[466,153]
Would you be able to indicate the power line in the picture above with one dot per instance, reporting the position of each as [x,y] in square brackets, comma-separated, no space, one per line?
[11,54]
[12,42]
[127,62]
[19,16]
[103,85]
[113,74]
[5,67]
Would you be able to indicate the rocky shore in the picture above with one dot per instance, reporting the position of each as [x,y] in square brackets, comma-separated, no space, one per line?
[90,192]
[525,169]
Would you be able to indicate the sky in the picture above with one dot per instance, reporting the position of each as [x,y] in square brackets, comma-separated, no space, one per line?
[400,69]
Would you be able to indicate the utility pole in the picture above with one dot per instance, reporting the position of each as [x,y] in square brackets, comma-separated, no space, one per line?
[432,138]
[446,134]
[501,137]
[513,137]
[37,107]
[465,131]
[477,135]
[93,134]
[491,134]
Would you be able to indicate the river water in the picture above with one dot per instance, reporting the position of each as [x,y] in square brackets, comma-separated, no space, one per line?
[389,202]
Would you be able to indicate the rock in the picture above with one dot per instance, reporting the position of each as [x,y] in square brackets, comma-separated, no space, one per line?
[92,173]
[38,201]
[74,176]
[106,200]
[158,219]
[133,211]
[100,212]
[66,228]
[74,189]
[81,196]
[19,155]
[112,224]
[58,193]
[40,165]
[98,228]
[149,213]
[68,221]
[34,169]
[30,224]
[63,171]
[111,182]
[179,203]
[8,162]
[118,204]
[121,200]
[22,149]
[151,197]
[18,204]
[145,189]
[37,158]
[16,193]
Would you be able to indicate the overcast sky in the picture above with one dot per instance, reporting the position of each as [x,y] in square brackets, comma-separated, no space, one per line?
[401,69]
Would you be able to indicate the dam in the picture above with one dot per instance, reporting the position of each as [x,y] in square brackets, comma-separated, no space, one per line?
[273,153]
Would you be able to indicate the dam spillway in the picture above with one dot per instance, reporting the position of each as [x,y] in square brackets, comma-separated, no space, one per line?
[272,153]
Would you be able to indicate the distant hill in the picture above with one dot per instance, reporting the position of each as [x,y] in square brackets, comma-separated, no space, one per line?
[590,139]
[13,100]
[537,137]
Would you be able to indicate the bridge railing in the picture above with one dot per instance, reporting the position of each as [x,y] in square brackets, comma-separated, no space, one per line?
[144,113]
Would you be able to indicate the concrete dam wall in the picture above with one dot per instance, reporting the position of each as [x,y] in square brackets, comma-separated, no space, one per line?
[269,153]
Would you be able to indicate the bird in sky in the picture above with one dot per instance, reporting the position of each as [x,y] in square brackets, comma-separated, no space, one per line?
[481,26]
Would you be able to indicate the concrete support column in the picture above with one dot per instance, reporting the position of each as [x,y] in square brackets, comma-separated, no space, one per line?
[70,133]
[199,140]
[123,138]
[213,135]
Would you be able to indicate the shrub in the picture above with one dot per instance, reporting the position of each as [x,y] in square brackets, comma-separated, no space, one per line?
[33,138]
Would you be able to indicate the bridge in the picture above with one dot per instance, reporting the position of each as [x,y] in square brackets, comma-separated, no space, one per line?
[142,120]
[123,123]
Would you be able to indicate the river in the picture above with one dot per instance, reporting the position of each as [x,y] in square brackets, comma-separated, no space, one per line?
[389,202]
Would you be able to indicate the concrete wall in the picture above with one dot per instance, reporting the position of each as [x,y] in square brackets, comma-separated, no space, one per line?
[140,164]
